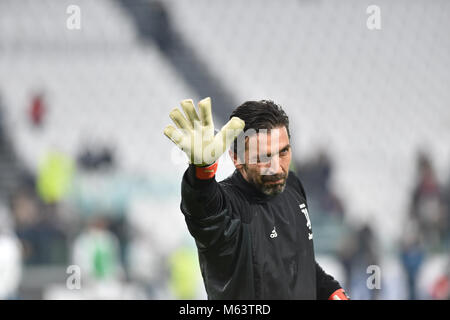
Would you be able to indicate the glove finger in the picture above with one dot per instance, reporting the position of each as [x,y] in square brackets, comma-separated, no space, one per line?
[189,110]
[204,107]
[228,133]
[180,121]
[174,135]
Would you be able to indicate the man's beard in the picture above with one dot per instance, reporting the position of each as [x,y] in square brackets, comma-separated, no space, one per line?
[267,184]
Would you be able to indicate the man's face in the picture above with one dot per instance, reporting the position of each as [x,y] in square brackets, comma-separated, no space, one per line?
[267,160]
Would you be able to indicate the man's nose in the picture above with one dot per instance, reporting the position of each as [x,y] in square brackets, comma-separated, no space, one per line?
[273,166]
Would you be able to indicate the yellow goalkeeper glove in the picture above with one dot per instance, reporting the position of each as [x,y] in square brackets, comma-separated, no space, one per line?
[196,135]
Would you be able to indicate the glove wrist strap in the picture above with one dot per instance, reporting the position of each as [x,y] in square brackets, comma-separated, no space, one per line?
[205,173]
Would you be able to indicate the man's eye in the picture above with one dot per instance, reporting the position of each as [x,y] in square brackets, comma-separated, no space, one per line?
[264,159]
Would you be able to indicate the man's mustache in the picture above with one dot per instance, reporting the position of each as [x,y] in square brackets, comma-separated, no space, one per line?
[273,178]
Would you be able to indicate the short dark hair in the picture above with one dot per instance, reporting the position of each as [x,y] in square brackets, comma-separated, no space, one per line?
[262,114]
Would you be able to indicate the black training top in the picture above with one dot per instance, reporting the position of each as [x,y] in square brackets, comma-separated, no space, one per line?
[250,245]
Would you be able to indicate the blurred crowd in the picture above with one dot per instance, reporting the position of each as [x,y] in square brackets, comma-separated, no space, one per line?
[426,231]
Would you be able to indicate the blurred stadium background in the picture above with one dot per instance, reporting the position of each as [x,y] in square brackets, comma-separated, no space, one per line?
[87,177]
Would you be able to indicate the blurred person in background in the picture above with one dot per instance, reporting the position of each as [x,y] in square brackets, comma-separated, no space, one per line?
[54,176]
[446,205]
[184,273]
[412,255]
[93,157]
[359,251]
[10,256]
[37,110]
[96,251]
[427,207]
[441,288]
[25,213]
[315,175]
[39,228]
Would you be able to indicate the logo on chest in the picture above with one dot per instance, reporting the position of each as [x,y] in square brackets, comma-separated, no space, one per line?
[274,233]
[308,221]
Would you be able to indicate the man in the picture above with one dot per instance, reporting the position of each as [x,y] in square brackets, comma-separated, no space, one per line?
[252,230]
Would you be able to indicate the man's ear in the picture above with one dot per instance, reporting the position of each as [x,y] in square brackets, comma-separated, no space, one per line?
[234,157]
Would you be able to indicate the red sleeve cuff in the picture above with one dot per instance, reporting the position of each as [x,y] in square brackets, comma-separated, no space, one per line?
[339,294]
[205,173]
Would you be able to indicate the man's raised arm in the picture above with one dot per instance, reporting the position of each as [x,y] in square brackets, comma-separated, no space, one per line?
[201,196]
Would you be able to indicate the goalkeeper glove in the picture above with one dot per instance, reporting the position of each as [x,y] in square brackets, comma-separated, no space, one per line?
[196,135]
[339,295]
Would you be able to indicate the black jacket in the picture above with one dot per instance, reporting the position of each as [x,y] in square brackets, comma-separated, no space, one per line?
[253,246]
